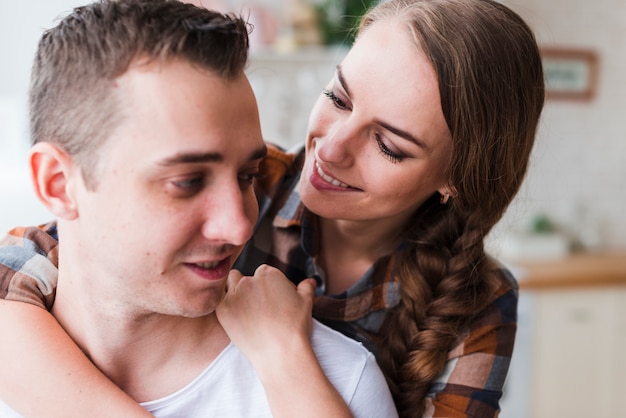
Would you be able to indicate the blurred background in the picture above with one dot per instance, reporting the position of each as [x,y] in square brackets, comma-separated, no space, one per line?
[564,235]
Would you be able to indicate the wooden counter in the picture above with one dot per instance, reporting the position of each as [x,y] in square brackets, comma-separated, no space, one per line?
[576,270]
[571,336]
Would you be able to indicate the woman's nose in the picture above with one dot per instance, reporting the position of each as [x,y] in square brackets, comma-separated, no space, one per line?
[340,145]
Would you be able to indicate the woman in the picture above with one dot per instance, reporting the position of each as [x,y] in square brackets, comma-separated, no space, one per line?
[414,151]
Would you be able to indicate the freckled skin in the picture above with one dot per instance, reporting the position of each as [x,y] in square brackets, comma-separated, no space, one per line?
[350,144]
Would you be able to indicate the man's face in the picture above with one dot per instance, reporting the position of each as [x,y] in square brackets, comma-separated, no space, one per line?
[174,202]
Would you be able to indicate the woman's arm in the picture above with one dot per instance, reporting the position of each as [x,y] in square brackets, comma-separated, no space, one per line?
[270,321]
[45,374]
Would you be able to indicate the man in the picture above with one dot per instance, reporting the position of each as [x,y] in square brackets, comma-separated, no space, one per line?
[146,145]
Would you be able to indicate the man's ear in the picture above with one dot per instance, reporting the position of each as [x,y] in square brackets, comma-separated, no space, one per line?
[52,170]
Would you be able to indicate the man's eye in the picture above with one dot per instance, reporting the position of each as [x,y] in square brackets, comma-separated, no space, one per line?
[246,180]
[187,187]
[339,104]
[189,183]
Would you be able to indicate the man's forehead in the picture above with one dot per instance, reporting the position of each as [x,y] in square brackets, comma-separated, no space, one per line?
[175,114]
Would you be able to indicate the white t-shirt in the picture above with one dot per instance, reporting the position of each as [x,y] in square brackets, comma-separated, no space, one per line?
[229,387]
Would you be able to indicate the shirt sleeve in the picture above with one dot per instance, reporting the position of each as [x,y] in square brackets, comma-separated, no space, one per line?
[372,398]
[471,384]
[353,370]
[28,265]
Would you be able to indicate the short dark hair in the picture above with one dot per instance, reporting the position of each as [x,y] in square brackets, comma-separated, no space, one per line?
[72,97]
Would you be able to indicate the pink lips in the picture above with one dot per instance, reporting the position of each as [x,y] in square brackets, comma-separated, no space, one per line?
[214,272]
[325,184]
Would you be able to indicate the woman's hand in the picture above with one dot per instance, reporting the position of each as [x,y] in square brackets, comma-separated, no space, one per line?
[266,313]
[269,320]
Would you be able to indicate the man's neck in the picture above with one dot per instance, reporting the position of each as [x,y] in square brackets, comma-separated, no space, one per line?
[147,355]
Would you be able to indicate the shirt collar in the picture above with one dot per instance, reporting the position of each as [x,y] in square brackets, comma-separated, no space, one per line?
[377,289]
[292,212]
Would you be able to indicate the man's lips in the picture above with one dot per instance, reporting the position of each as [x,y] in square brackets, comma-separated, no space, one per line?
[211,270]
[209,264]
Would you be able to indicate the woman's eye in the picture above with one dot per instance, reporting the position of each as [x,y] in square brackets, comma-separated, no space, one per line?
[340,104]
[386,152]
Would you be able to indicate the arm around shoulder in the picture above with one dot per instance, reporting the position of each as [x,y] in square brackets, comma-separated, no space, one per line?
[39,354]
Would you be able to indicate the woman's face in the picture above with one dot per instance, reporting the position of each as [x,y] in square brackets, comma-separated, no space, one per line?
[378,145]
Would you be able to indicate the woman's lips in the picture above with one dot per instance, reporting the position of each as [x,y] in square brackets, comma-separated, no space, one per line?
[324,182]
[328,178]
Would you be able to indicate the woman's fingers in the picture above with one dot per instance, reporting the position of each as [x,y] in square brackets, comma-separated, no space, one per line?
[233,279]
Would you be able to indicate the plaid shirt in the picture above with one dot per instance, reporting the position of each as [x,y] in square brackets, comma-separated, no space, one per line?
[286,237]
[28,265]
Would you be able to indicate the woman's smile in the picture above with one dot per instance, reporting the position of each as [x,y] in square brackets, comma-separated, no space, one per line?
[328,178]
[322,181]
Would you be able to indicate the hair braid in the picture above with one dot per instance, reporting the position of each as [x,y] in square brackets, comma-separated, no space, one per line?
[445,283]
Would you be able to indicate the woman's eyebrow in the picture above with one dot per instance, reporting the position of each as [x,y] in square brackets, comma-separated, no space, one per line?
[342,80]
[402,134]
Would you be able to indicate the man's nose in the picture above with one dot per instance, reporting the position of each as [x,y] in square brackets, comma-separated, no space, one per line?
[230,218]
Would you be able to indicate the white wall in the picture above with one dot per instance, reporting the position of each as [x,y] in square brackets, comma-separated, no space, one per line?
[21,25]
[578,172]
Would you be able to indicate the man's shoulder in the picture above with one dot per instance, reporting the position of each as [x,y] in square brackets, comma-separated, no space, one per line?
[336,351]
[353,371]
[324,335]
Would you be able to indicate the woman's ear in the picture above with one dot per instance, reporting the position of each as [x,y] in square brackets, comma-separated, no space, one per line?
[446,193]
[51,171]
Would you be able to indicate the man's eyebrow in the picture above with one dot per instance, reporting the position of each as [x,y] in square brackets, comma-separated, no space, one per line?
[207,157]
[192,157]
[258,154]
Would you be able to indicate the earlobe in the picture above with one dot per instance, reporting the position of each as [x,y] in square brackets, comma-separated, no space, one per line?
[446,193]
[51,171]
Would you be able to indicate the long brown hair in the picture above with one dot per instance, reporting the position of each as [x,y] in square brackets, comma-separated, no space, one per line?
[492,92]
